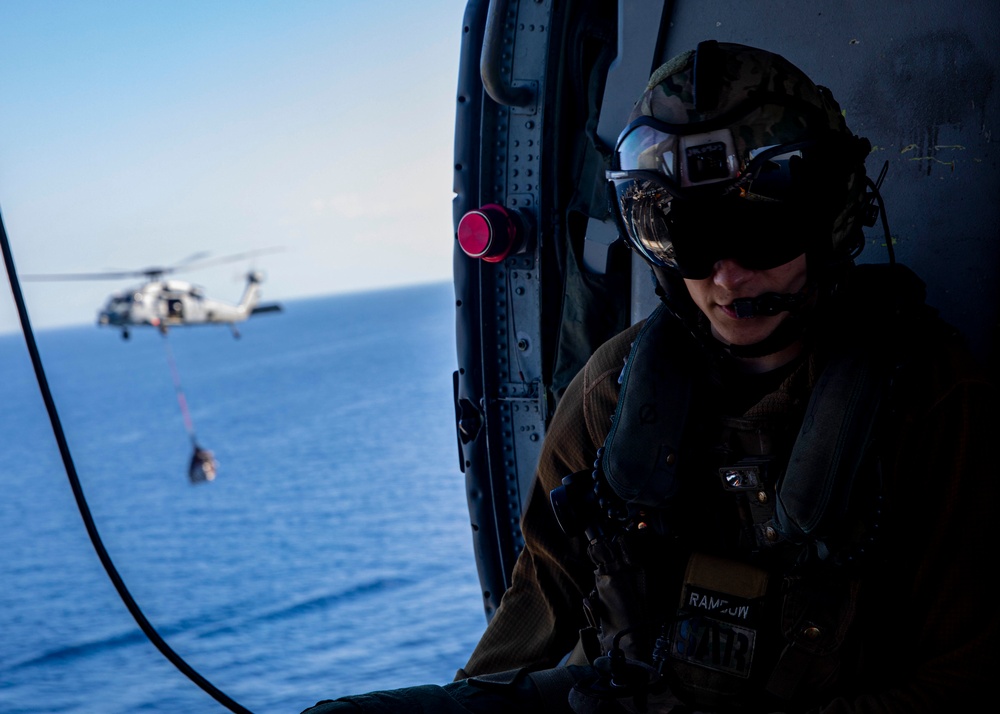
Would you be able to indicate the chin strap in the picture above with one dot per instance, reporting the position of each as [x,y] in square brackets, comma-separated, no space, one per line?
[672,291]
[784,334]
[769,304]
[678,302]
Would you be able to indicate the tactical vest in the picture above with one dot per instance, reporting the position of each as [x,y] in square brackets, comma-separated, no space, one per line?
[728,572]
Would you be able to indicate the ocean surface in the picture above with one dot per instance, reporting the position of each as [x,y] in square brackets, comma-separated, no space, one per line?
[331,555]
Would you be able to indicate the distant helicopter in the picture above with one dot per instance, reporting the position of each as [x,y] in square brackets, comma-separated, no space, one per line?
[163,304]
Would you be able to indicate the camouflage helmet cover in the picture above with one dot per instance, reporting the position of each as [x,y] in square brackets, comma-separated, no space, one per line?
[736,73]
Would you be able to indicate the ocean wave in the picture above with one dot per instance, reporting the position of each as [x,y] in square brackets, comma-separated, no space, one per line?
[199,628]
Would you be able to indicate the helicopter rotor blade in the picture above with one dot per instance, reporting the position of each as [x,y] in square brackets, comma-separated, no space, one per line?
[196,261]
[155,272]
[231,258]
[116,275]
[200,255]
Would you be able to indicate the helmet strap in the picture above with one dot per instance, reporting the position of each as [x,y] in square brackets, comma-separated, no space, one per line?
[673,292]
[785,334]
[823,276]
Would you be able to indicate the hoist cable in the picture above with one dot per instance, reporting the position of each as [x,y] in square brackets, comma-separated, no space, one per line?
[181,399]
[81,502]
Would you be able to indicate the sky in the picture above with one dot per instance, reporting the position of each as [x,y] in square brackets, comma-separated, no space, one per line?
[138,133]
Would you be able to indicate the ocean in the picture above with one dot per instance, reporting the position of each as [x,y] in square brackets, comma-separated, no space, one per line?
[331,555]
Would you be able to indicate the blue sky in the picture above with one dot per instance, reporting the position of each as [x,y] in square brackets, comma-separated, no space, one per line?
[139,133]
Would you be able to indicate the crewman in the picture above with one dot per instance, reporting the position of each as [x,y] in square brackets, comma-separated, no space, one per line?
[774,493]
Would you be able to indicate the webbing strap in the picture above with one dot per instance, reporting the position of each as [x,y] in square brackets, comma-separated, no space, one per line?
[832,441]
[791,668]
[642,450]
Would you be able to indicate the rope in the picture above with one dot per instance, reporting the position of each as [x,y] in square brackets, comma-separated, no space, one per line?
[81,501]
[181,399]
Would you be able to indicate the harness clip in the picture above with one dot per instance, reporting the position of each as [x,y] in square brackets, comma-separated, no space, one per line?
[749,474]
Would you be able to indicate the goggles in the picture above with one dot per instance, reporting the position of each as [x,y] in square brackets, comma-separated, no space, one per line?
[687,200]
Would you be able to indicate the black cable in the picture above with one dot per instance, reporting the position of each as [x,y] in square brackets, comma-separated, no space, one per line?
[81,501]
[875,186]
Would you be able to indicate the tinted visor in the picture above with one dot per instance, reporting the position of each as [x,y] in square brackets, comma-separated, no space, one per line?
[758,236]
[688,201]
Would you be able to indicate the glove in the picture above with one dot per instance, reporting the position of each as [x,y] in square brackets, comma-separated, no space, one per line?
[622,686]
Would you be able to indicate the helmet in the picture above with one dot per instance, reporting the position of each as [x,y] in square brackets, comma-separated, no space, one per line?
[733,152]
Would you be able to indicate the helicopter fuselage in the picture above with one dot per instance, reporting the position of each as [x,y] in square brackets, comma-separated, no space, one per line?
[173,303]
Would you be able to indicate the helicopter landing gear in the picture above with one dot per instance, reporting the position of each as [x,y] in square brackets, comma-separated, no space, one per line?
[126,334]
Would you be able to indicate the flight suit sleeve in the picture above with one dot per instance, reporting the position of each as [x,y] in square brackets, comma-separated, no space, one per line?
[540,615]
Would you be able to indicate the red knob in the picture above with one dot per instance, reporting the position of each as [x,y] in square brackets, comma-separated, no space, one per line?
[489,232]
